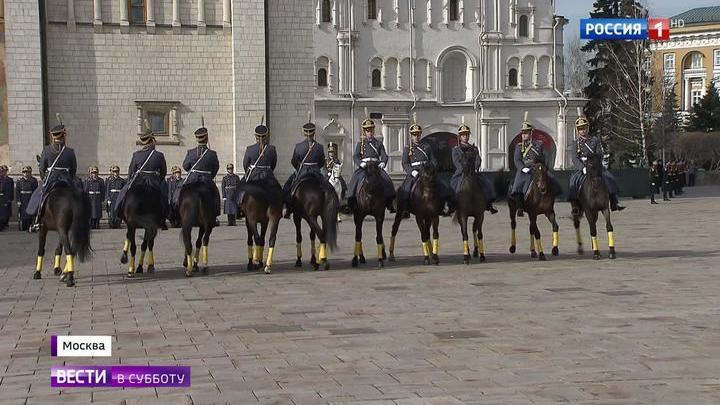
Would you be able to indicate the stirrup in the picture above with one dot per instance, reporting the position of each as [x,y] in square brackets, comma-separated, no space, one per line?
[34,228]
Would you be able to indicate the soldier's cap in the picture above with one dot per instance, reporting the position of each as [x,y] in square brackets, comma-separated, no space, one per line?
[27,169]
[3,168]
[58,132]
[463,129]
[201,135]
[368,124]
[415,129]
[114,168]
[332,146]
[147,137]
[175,169]
[230,166]
[581,122]
[262,131]
[94,169]
[308,129]
[526,127]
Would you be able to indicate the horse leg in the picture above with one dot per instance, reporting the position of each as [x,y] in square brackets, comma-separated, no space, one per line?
[132,249]
[394,231]
[250,246]
[424,237]
[592,217]
[463,220]
[475,243]
[273,225]
[198,246]
[531,231]
[578,236]
[611,236]
[379,219]
[56,262]
[143,247]
[260,245]
[187,243]
[556,235]
[535,233]
[313,256]
[436,240]
[205,251]
[358,255]
[298,239]
[42,236]
[126,246]
[513,225]
[69,271]
[316,230]
[151,253]
[478,235]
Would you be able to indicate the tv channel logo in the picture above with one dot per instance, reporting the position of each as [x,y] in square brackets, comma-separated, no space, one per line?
[613,28]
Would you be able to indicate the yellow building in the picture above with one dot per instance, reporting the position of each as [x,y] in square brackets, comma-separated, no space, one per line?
[691,58]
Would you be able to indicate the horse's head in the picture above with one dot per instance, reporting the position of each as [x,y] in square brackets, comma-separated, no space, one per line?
[593,166]
[373,181]
[467,161]
[540,177]
[428,172]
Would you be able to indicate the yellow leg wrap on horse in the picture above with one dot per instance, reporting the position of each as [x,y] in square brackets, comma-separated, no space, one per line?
[126,246]
[298,249]
[322,255]
[142,257]
[380,248]
[532,243]
[594,243]
[150,258]
[38,265]
[204,252]
[513,238]
[539,245]
[611,239]
[261,253]
[481,246]
[556,239]
[250,252]
[436,246]
[466,248]
[578,236]
[189,266]
[426,248]
[269,261]
[69,263]
[256,254]
[131,264]
[57,262]
[358,248]
[196,256]
[392,244]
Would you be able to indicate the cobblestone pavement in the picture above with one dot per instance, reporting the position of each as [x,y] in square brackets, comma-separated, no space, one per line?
[640,329]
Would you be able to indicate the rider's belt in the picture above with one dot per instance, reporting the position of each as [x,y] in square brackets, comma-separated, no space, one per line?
[25,192]
[201,171]
[114,190]
[261,167]
[148,172]
[230,187]
[310,164]
[93,192]
[60,168]
[370,160]
[418,163]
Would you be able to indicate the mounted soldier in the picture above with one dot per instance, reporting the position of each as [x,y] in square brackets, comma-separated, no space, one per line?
[94,187]
[589,147]
[332,172]
[528,152]
[456,180]
[230,184]
[113,185]
[173,181]
[370,151]
[201,165]
[260,159]
[7,191]
[58,166]
[307,159]
[24,187]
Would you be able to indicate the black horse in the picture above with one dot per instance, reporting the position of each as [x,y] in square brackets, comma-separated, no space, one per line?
[66,211]
[142,209]
[470,203]
[539,200]
[312,199]
[593,198]
[196,208]
[370,200]
[261,203]
[426,204]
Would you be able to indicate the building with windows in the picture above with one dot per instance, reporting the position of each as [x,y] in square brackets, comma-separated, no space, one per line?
[484,61]
[690,59]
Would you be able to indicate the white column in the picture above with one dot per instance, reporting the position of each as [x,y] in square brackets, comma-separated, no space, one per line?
[331,76]
[227,24]
[97,16]
[445,11]
[461,11]
[429,12]
[201,17]
[686,95]
[318,13]
[398,81]
[150,15]
[484,145]
[384,75]
[334,14]
[531,23]
[479,13]
[561,142]
[124,23]
[176,14]
[71,15]
[396,7]
[429,75]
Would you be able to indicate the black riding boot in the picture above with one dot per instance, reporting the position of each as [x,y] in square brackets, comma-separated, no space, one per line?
[389,204]
[575,207]
[490,208]
[614,205]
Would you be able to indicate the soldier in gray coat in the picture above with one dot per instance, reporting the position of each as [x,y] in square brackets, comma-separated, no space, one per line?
[230,183]
[24,187]
[94,187]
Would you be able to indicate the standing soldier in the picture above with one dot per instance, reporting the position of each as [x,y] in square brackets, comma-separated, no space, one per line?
[24,188]
[94,187]
[58,166]
[655,181]
[456,179]
[307,159]
[332,172]
[230,184]
[7,191]
[370,150]
[173,182]
[113,185]
[260,159]
[669,186]
[201,165]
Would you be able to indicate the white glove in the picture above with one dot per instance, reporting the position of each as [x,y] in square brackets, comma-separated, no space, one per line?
[526,170]
[224,199]
[584,158]
[414,173]
[252,166]
[363,164]
[382,165]
[584,170]
[19,203]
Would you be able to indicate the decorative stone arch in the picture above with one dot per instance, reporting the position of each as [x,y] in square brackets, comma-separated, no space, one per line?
[324,62]
[512,67]
[334,131]
[391,68]
[375,64]
[544,71]
[451,72]
[442,138]
[527,72]
[548,144]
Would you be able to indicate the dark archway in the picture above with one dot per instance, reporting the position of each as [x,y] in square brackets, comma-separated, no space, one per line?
[442,144]
[548,143]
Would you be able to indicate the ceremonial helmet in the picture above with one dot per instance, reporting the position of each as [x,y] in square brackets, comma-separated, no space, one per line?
[463,129]
[309,128]
[94,169]
[332,147]
[415,128]
[175,169]
[27,169]
[3,169]
[581,121]
[367,123]
[148,136]
[230,166]
[114,169]
[526,125]
[201,134]
[262,131]
[58,132]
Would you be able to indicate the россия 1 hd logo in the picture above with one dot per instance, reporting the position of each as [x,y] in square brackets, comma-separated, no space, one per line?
[654,29]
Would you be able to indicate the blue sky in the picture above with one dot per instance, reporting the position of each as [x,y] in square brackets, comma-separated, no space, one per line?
[574,10]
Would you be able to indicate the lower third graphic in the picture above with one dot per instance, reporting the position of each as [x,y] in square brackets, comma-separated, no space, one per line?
[120,376]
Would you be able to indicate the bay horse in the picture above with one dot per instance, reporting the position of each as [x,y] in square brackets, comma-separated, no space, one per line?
[313,198]
[539,200]
[470,203]
[196,208]
[142,209]
[594,197]
[426,205]
[66,211]
[369,200]
[261,203]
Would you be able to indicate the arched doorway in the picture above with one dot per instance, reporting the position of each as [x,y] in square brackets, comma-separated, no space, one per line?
[442,144]
[548,144]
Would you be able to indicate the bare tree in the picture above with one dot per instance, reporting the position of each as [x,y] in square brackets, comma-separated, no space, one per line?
[576,68]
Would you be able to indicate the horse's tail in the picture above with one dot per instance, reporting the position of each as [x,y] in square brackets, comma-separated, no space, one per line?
[330,214]
[80,228]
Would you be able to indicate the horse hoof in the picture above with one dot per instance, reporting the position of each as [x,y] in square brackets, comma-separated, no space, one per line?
[316,266]
[380,264]
[298,263]
[436,260]
[130,274]
[482,257]
[555,251]
[188,273]
[466,259]
[57,271]
[392,257]
[542,257]
[354,261]
[63,278]
[37,276]
[426,260]
[327,266]
[313,260]
[123,258]
[362,259]
[596,255]
[204,270]
[267,270]
[250,266]
[580,251]
[139,270]
[512,249]
[612,254]
[384,255]
[151,268]
[185,262]
[195,268]
[533,254]
[475,252]
[70,282]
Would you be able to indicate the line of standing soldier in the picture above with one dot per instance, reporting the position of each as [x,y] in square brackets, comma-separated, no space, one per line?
[668,179]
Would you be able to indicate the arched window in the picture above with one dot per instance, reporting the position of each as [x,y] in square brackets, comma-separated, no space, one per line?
[322,77]
[523,26]
[512,78]
[372,10]
[326,11]
[376,79]
[391,69]
[454,77]
[543,72]
[527,72]
[453,10]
